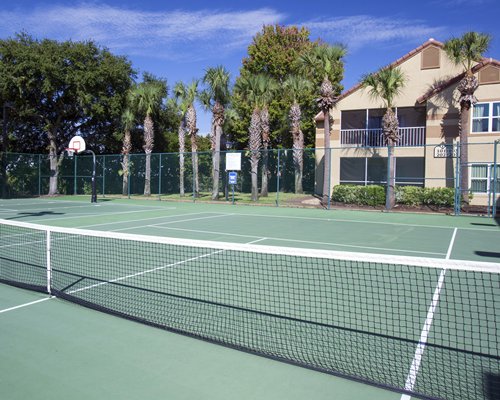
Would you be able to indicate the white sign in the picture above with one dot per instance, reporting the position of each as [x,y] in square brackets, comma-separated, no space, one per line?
[233,161]
[445,151]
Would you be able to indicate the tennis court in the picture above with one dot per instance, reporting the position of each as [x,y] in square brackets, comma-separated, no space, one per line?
[274,282]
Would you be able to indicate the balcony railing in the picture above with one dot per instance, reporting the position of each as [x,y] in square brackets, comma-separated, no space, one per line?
[411,136]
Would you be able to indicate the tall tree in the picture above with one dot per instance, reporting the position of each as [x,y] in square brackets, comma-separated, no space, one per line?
[274,52]
[60,89]
[268,90]
[465,51]
[218,92]
[325,63]
[147,98]
[295,88]
[254,90]
[386,85]
[128,123]
[185,97]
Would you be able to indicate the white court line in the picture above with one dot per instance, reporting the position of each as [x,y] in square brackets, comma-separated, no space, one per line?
[452,241]
[285,239]
[419,352]
[25,304]
[364,222]
[80,215]
[122,278]
[141,219]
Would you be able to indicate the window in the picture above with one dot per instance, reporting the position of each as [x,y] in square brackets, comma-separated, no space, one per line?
[430,58]
[482,178]
[486,117]
[373,170]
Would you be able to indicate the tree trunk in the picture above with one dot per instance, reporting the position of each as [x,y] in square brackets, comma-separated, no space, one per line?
[182,149]
[125,168]
[464,153]
[264,190]
[148,149]
[326,159]
[127,146]
[390,198]
[264,120]
[254,144]
[216,163]
[298,146]
[54,165]
[467,86]
[194,160]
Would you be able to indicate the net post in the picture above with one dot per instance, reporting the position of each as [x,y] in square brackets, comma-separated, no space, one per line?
[49,266]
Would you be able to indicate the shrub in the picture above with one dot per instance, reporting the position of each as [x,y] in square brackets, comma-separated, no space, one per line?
[410,195]
[374,195]
[441,197]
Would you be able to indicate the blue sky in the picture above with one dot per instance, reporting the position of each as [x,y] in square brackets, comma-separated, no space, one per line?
[179,40]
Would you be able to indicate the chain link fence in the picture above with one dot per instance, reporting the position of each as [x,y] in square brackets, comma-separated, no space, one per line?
[294,177]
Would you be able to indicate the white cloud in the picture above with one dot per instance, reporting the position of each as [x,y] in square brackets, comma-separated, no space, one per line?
[363,30]
[162,34]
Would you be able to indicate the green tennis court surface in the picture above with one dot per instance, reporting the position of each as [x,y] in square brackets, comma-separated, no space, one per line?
[430,329]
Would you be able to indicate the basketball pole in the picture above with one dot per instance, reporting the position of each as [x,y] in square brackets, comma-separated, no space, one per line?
[93,197]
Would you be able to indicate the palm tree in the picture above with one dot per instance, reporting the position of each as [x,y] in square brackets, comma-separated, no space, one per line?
[294,87]
[185,96]
[386,84]
[218,94]
[268,89]
[253,88]
[146,99]
[324,61]
[128,123]
[465,51]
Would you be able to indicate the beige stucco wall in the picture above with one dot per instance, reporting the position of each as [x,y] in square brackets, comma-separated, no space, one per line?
[441,126]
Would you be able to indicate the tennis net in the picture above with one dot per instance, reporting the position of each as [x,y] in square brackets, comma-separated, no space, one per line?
[425,327]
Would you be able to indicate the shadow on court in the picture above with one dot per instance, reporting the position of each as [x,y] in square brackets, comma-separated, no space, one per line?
[488,254]
[35,214]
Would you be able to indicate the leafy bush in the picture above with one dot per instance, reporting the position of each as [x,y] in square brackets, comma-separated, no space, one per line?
[362,195]
[441,197]
[410,195]
[413,196]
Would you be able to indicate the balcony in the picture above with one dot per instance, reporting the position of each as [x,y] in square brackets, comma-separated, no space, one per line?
[408,137]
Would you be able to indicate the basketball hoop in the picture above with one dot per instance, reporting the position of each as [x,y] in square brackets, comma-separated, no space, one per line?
[70,152]
[76,144]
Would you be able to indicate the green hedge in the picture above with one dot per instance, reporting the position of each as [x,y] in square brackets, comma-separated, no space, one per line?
[374,195]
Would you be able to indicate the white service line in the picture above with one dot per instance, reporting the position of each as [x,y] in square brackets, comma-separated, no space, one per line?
[419,352]
[293,240]
[122,278]
[365,222]
[141,219]
[25,304]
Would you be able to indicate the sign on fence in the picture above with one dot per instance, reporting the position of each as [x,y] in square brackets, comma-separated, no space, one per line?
[445,151]
[233,178]
[233,161]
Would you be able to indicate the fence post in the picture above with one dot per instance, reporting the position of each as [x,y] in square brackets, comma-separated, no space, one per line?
[278,175]
[104,176]
[495,176]
[159,179]
[39,175]
[457,181]
[74,175]
[129,170]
